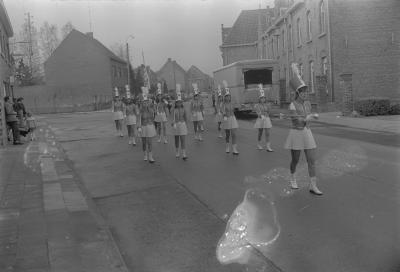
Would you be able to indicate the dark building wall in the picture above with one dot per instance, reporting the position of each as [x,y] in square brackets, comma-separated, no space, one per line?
[366,42]
[78,70]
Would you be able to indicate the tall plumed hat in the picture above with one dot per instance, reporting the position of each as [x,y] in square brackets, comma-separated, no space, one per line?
[116,93]
[227,92]
[195,88]
[128,91]
[296,82]
[159,91]
[178,92]
[262,92]
[145,93]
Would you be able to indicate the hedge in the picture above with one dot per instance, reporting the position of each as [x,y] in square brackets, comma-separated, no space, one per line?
[395,109]
[373,106]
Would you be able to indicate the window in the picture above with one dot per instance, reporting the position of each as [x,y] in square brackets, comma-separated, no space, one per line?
[277,45]
[283,39]
[312,74]
[322,17]
[289,36]
[299,41]
[325,66]
[119,72]
[309,32]
[272,48]
[114,71]
[301,69]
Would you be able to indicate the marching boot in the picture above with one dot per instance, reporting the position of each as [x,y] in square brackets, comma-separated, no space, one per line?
[269,149]
[259,146]
[200,138]
[130,141]
[234,148]
[151,159]
[121,134]
[165,140]
[145,156]
[177,153]
[184,157]
[133,141]
[159,139]
[293,182]
[227,150]
[313,186]
[220,135]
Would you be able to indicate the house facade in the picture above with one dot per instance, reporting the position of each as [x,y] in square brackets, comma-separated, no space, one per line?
[6,71]
[81,70]
[172,73]
[204,81]
[328,38]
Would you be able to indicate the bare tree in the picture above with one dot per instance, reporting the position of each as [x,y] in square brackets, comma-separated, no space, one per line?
[48,39]
[66,29]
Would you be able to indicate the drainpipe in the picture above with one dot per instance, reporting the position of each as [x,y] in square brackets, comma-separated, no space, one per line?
[330,52]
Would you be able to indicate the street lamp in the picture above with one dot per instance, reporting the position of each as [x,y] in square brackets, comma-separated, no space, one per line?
[127,57]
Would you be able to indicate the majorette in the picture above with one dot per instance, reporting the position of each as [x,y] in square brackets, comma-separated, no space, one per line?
[218,114]
[179,126]
[229,123]
[197,111]
[146,125]
[130,112]
[161,115]
[300,136]
[263,122]
[117,107]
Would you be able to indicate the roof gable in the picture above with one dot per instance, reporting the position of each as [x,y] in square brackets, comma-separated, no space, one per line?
[245,29]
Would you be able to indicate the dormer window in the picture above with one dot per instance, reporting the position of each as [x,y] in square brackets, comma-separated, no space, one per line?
[322,16]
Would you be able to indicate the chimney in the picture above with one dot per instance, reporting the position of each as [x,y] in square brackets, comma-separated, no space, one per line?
[89,34]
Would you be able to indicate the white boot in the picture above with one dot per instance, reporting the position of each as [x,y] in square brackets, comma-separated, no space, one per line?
[145,156]
[227,150]
[293,182]
[269,149]
[165,140]
[130,141]
[313,186]
[259,146]
[133,141]
[234,148]
[159,139]
[151,159]
[220,135]
[177,152]
[184,157]
[121,134]
[200,138]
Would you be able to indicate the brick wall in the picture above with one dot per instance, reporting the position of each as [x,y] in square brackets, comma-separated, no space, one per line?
[366,42]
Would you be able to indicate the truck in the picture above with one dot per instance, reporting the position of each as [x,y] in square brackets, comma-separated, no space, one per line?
[243,79]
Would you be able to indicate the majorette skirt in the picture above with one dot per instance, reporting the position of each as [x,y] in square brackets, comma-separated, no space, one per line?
[148,131]
[263,123]
[230,123]
[130,120]
[180,130]
[160,117]
[118,115]
[300,139]
[219,118]
[197,116]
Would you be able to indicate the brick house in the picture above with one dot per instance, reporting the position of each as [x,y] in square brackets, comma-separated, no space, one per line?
[6,71]
[204,81]
[172,73]
[82,70]
[328,38]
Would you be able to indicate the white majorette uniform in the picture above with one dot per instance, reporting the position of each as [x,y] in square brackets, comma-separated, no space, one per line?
[179,127]
[196,106]
[300,136]
[228,113]
[117,107]
[218,116]
[146,113]
[131,111]
[262,109]
[161,107]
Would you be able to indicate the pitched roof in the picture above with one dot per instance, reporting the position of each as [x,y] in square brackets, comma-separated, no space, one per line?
[193,70]
[5,20]
[98,44]
[245,28]
[173,63]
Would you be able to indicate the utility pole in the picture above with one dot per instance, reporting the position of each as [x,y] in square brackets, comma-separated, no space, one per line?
[128,66]
[30,41]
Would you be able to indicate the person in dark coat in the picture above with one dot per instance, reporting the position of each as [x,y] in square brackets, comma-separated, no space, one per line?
[12,120]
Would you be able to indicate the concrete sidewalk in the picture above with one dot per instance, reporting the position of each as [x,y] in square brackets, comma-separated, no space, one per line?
[47,220]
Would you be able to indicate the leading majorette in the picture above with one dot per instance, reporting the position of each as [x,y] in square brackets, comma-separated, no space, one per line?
[146,125]
[196,109]
[229,123]
[161,115]
[218,113]
[130,112]
[300,136]
[179,126]
[117,107]
[263,123]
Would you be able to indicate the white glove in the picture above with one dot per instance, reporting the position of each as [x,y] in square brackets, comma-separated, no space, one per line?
[139,129]
[316,115]
[174,125]
[263,117]
[225,118]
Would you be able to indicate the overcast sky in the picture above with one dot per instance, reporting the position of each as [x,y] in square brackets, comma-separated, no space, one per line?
[188,31]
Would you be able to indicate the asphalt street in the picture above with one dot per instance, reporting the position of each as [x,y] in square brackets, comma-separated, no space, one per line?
[171,216]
